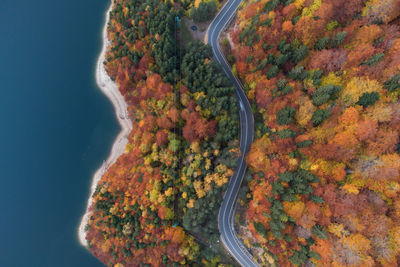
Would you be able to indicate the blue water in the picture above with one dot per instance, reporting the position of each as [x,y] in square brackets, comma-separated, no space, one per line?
[56,127]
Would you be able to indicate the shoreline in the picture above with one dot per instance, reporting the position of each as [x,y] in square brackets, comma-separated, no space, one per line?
[110,89]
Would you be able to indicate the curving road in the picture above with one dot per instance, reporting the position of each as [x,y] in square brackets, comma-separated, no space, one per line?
[228,207]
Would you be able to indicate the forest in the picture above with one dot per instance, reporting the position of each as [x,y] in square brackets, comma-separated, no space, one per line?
[323,77]
[157,205]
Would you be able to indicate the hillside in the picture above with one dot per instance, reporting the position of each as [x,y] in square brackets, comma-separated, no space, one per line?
[157,205]
[324,80]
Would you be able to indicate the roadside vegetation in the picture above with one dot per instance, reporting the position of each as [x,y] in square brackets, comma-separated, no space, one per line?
[323,78]
[158,204]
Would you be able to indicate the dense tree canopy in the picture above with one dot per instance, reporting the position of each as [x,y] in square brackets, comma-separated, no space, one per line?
[167,187]
[323,77]
[204,10]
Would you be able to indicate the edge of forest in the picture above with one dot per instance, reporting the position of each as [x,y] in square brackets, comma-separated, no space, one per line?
[111,91]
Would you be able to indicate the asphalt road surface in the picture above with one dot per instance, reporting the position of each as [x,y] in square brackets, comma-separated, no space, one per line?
[228,207]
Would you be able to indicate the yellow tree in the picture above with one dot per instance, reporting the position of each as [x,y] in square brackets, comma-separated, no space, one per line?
[381,10]
[306,109]
[357,86]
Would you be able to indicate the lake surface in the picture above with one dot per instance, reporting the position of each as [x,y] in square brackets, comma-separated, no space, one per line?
[56,128]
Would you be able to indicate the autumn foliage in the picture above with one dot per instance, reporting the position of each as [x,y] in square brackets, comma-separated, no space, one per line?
[324,77]
[168,184]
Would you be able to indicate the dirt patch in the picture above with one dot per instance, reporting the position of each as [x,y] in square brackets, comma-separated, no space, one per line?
[201,29]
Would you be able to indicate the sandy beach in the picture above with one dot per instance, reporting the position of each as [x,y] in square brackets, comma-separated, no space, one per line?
[110,89]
